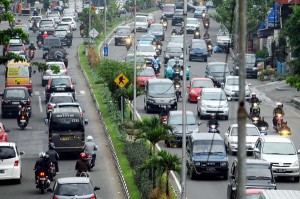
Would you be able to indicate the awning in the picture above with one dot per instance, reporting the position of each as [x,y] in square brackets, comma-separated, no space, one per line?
[262,26]
[273,16]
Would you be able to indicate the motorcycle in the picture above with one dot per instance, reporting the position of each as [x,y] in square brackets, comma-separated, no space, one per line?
[128,43]
[158,49]
[177,91]
[52,171]
[177,73]
[206,25]
[285,131]
[255,109]
[213,129]
[279,120]
[255,118]
[174,32]
[197,34]
[23,119]
[155,66]
[209,49]
[43,182]
[263,130]
[164,113]
[69,42]
[31,54]
[165,25]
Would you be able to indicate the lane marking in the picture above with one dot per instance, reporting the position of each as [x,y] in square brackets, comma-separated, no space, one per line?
[40,104]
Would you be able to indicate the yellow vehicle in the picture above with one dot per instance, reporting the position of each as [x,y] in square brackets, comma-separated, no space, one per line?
[18,74]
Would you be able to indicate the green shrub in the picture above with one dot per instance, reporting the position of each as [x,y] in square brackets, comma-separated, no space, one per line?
[294,81]
[262,53]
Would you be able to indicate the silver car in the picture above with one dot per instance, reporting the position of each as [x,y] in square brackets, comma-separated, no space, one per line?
[231,88]
[147,51]
[49,72]
[191,25]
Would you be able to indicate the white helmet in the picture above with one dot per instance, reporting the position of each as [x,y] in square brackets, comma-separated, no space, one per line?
[45,32]
[42,154]
[279,104]
[89,138]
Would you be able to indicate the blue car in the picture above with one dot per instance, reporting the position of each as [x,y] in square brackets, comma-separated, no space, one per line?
[147,39]
[199,10]
[169,73]
[198,50]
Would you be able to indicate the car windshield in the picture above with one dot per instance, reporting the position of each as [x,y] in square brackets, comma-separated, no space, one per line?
[66,123]
[158,28]
[161,88]
[250,59]
[202,84]
[146,38]
[52,42]
[258,172]
[232,81]
[168,8]
[172,62]
[15,48]
[61,99]
[213,96]
[200,8]
[199,45]
[66,19]
[15,93]
[139,59]
[60,32]
[7,152]
[250,131]
[223,32]
[141,19]
[123,31]
[76,189]
[279,148]
[191,21]
[146,49]
[208,146]
[176,40]
[177,119]
[66,26]
[147,73]
[174,50]
[60,82]
[53,14]
[46,22]
[61,66]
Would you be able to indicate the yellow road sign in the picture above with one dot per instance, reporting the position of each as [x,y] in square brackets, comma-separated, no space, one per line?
[121,80]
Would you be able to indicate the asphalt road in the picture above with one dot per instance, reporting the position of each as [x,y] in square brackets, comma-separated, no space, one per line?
[34,138]
[214,187]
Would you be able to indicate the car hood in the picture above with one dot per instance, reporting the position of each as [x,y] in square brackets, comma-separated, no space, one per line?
[249,139]
[214,103]
[176,44]
[279,158]
[150,54]
[168,12]
[232,87]
[191,25]
[142,23]
[213,157]
[225,37]
[177,129]
[175,54]
[156,32]
[198,50]
[122,35]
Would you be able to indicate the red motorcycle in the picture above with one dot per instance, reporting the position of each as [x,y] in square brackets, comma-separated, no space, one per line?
[279,120]
[164,114]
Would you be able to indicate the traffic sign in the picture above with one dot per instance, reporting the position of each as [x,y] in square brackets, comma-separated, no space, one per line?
[105,51]
[121,80]
[93,33]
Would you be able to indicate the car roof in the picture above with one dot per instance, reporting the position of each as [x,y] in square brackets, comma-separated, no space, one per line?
[123,27]
[216,63]
[69,180]
[8,144]
[180,113]
[160,81]
[145,45]
[206,136]
[247,125]
[276,138]
[212,90]
[201,78]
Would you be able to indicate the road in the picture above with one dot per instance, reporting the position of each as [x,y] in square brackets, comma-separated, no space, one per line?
[34,138]
[212,188]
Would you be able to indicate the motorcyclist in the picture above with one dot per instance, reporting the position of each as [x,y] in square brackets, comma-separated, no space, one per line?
[69,37]
[89,148]
[158,42]
[53,156]
[81,27]
[203,14]
[262,123]
[155,60]
[23,110]
[82,165]
[213,120]
[34,23]
[253,100]
[206,35]
[163,18]
[32,47]
[40,38]
[41,164]
[174,31]
[45,35]
[19,22]
[35,13]
[277,110]
[209,42]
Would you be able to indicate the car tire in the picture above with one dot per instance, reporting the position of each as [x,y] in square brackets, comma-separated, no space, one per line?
[190,59]
[116,43]
[18,181]
[192,174]
[205,60]
[167,143]
[296,179]
[3,114]
[226,117]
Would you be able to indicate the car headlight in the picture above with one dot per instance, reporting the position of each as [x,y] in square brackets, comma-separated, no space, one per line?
[224,164]
[295,164]
[181,56]
[197,163]
[197,33]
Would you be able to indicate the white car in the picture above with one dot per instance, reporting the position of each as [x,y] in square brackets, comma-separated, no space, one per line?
[281,153]
[191,25]
[47,23]
[10,164]
[56,98]
[55,15]
[70,21]
[231,88]
[70,12]
[223,37]
[46,75]
[37,18]
[141,23]
[231,137]
[147,51]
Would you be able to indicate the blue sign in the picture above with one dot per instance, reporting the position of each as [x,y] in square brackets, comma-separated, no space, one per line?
[105,51]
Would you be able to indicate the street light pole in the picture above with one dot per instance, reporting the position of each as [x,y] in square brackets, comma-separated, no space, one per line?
[134,70]
[105,42]
[90,17]
[184,86]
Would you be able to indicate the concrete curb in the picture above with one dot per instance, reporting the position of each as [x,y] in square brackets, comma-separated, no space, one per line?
[296,102]
[284,88]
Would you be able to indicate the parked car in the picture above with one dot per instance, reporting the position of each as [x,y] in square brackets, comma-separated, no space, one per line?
[217,72]
[59,84]
[231,88]
[198,50]
[144,75]
[195,87]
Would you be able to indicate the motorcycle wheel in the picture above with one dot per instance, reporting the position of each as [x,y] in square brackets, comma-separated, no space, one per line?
[22,126]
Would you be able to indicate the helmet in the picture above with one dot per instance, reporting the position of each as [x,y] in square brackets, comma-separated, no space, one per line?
[279,104]
[51,145]
[42,154]
[35,9]
[253,94]
[45,32]
[155,56]
[213,116]
[82,155]
[89,138]
[32,43]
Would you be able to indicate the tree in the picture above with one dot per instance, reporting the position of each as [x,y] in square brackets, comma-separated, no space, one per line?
[168,162]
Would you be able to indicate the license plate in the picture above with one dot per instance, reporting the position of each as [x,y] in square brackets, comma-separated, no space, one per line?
[280,170]
[66,138]
[42,178]
[15,102]
[60,89]
[210,169]
[22,121]
[2,171]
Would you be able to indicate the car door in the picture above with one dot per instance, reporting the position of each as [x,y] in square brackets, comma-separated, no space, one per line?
[226,137]
[257,155]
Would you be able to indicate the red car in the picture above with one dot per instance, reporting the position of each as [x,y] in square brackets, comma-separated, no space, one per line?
[253,193]
[3,134]
[144,75]
[195,87]
[150,19]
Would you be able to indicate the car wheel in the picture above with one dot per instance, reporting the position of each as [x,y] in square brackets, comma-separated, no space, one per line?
[205,60]
[167,143]
[190,59]
[187,78]
[192,174]
[296,179]
[18,181]
[225,177]
[147,109]
[116,43]
[198,113]
[226,117]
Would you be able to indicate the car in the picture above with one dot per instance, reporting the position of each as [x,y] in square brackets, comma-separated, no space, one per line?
[144,75]
[172,52]
[224,39]
[140,60]
[212,100]
[281,153]
[147,39]
[73,187]
[70,12]
[56,98]
[69,107]
[49,72]
[3,133]
[122,33]
[279,194]
[259,175]
[141,23]
[195,87]
[190,7]
[64,26]
[47,23]
[191,25]
[251,65]
[147,51]
[25,29]
[50,42]
[15,40]
[151,19]
[11,98]
[168,10]
[59,84]
[253,193]
[210,4]
[231,138]
[217,72]
[57,53]
[11,163]
[70,21]
[30,20]
[177,17]
[231,88]
[199,10]
[157,30]
[175,121]
[169,73]
[61,34]
[176,41]
[18,49]
[50,32]
[55,15]
[198,50]
[206,155]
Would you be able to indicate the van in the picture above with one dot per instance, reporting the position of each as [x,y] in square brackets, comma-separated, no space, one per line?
[159,92]
[18,74]
[206,155]
[141,23]
[280,194]
[168,10]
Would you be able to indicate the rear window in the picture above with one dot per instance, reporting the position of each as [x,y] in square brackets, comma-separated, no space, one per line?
[16,48]
[15,93]
[7,152]
[61,99]
[168,7]
[46,22]
[76,189]
[66,123]
[52,42]
[66,20]
[60,82]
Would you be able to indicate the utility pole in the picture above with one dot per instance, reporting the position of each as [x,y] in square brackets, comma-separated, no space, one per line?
[242,113]
[105,42]
[134,76]
[184,86]
[90,18]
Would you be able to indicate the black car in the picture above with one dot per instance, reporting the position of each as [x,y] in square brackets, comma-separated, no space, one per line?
[121,34]
[217,71]
[177,17]
[12,97]
[59,84]
[190,7]
[172,52]
[259,176]
[61,34]
[157,30]
[57,53]
[48,43]
[251,65]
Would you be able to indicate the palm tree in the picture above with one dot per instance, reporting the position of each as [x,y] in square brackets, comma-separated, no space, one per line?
[168,162]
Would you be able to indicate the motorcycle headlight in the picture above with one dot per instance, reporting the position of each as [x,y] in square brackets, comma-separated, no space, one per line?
[158,46]
[213,126]
[295,164]
[255,118]
[255,104]
[177,86]
[263,128]
[224,164]
[197,33]
[284,132]
[181,56]
[254,69]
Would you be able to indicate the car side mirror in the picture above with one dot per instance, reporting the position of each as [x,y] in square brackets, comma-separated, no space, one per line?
[199,123]
[74,82]
[256,150]
[165,66]
[115,31]
[229,98]
[22,153]
[96,188]
[49,190]
[86,122]
[46,122]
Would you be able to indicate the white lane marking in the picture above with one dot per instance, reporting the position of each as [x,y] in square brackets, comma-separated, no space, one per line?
[82,92]
[110,40]
[40,104]
[36,92]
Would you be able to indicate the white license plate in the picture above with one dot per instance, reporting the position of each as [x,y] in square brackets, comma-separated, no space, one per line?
[2,171]
[280,170]
[22,121]
[15,102]
[60,89]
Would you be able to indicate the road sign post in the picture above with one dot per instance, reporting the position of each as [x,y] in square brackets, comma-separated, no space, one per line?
[105,51]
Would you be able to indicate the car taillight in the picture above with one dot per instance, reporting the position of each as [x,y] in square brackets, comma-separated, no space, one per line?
[93,197]
[42,174]
[28,102]
[49,106]
[16,163]
[23,117]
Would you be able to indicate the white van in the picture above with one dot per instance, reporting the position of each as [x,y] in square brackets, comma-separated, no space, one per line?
[280,194]
[141,23]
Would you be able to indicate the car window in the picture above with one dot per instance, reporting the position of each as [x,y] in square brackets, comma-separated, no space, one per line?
[199,45]
[61,99]
[52,42]
[147,73]
[60,32]
[161,88]
[208,146]
[146,38]
[218,68]
[254,171]
[202,84]
[45,22]
[176,39]
[123,31]
[60,82]
[15,93]
[250,59]
[7,152]
[174,50]
[232,81]
[250,131]
[146,49]
[139,59]
[76,189]
[18,71]
[141,19]
[66,123]
[191,21]
[68,11]
[66,20]
[213,96]
[177,119]
[15,48]
[278,148]
[53,15]
[156,28]
[168,7]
